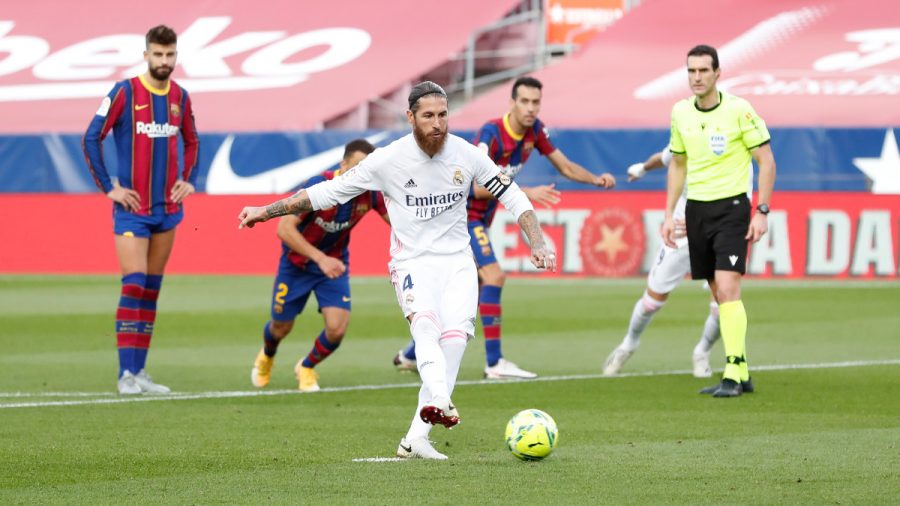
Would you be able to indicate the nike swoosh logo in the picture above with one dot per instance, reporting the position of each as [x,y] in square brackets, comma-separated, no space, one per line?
[345,298]
[222,179]
[139,107]
[407,449]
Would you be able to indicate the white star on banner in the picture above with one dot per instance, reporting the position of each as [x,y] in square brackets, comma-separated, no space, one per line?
[885,170]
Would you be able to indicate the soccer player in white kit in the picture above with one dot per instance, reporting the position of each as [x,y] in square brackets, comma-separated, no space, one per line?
[672,265]
[425,177]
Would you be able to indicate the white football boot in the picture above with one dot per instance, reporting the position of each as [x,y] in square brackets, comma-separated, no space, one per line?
[418,449]
[701,365]
[404,364]
[146,384]
[615,361]
[504,369]
[127,385]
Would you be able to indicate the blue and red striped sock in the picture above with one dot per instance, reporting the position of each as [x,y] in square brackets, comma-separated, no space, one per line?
[128,319]
[148,318]
[490,310]
[270,343]
[320,351]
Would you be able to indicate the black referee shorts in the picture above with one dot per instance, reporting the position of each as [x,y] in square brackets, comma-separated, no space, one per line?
[716,232]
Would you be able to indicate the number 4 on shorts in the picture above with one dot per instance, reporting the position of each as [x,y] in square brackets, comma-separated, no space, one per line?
[407,282]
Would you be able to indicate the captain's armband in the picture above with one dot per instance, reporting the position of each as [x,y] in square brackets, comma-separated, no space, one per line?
[498,184]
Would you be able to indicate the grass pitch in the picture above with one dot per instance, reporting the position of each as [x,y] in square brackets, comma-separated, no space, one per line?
[817,434]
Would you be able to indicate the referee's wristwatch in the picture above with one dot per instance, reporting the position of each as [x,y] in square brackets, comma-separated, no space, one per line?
[763,209]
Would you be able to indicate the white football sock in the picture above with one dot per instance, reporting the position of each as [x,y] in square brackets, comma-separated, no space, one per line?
[426,331]
[418,428]
[643,312]
[453,343]
[711,331]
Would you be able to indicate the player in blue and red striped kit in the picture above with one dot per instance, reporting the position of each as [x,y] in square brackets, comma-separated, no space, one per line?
[509,142]
[146,114]
[315,258]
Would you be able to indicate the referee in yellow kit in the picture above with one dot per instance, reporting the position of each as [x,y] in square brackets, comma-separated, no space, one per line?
[714,136]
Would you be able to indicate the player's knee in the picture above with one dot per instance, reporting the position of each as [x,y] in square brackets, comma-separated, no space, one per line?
[493,276]
[280,330]
[335,332]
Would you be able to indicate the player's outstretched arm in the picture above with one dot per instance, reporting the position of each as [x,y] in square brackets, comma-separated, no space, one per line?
[541,256]
[575,172]
[640,169]
[296,203]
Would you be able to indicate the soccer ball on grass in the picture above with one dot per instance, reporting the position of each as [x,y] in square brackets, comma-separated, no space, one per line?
[531,434]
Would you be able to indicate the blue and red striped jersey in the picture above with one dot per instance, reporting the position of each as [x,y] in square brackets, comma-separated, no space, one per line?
[329,229]
[146,122]
[510,152]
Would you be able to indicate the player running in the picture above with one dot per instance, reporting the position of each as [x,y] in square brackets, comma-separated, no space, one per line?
[672,265]
[315,258]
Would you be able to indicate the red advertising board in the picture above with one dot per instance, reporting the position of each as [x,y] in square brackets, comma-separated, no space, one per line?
[832,235]
[578,21]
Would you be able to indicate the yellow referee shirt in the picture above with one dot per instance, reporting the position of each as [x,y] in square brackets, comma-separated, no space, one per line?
[717,143]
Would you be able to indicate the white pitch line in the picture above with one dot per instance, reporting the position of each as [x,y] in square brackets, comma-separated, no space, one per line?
[356,388]
[380,459]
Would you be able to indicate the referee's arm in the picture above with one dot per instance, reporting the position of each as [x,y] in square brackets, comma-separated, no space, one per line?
[675,184]
[765,160]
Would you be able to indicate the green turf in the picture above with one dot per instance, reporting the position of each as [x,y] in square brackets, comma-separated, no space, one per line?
[813,436]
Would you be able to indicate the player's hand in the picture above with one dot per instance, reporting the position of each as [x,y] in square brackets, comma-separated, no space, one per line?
[680,228]
[543,258]
[180,191]
[759,225]
[331,267]
[250,216]
[605,180]
[636,171]
[668,232]
[546,195]
[128,198]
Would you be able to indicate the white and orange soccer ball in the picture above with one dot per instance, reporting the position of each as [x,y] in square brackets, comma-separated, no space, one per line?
[531,434]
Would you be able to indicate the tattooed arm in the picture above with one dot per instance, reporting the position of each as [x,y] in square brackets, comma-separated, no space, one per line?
[541,256]
[296,203]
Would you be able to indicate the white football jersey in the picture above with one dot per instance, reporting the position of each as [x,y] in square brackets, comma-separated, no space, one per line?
[425,197]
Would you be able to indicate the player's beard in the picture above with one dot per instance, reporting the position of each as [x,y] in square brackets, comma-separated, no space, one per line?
[160,73]
[429,144]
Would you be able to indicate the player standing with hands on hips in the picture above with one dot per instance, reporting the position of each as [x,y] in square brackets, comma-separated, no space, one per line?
[146,114]
[425,177]
[714,138]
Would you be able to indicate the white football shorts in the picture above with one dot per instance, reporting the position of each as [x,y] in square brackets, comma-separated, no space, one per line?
[444,284]
[672,265]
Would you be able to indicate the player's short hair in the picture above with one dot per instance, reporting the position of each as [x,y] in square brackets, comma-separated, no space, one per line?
[526,81]
[162,35]
[424,89]
[360,145]
[710,51]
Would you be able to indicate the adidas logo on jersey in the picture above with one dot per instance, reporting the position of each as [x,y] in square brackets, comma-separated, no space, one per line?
[410,184]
